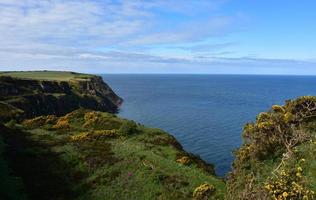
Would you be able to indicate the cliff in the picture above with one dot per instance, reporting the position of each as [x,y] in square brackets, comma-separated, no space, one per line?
[30,94]
[70,153]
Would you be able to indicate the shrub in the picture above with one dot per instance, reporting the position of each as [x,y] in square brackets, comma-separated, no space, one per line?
[184,160]
[278,109]
[288,184]
[100,121]
[93,135]
[40,121]
[62,124]
[204,191]
[271,137]
[128,128]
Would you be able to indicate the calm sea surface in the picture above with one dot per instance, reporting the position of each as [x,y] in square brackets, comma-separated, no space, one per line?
[205,113]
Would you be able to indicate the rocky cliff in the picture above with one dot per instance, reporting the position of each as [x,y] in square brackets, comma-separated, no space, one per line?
[23,97]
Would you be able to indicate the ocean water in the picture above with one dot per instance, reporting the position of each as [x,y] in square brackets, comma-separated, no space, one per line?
[205,113]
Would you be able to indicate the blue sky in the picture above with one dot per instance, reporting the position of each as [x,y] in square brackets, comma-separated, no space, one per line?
[159,36]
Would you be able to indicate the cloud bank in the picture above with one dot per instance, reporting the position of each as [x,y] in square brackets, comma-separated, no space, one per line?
[125,36]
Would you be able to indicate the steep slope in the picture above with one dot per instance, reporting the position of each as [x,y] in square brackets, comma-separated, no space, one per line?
[95,155]
[29,94]
[278,157]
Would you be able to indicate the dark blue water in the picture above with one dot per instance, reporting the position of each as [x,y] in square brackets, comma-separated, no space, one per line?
[205,113]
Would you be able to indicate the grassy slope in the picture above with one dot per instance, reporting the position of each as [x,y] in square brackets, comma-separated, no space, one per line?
[46,75]
[8,111]
[131,162]
[10,187]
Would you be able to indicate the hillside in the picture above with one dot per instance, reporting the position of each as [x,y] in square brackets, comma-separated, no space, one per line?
[50,149]
[29,94]
[278,157]
[95,155]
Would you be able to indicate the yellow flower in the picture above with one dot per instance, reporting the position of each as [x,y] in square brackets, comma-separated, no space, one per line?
[267,187]
[303,160]
[204,191]
[285,194]
[299,169]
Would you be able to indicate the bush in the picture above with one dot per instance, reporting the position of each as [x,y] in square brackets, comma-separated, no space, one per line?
[128,128]
[289,183]
[93,135]
[62,124]
[184,160]
[204,191]
[271,138]
[40,121]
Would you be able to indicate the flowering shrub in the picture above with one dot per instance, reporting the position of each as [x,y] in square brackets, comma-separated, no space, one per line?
[90,118]
[62,124]
[40,121]
[278,109]
[273,136]
[289,184]
[185,160]
[100,121]
[204,191]
[92,135]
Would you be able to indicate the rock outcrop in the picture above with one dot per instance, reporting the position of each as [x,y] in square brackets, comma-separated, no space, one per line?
[29,97]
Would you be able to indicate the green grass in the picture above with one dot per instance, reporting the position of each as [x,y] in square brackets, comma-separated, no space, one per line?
[8,111]
[47,75]
[10,187]
[137,163]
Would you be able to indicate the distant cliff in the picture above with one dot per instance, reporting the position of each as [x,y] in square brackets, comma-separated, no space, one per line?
[25,97]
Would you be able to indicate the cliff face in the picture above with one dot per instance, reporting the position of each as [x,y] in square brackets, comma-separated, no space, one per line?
[42,97]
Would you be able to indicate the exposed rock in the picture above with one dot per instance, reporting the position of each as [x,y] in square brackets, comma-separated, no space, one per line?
[45,97]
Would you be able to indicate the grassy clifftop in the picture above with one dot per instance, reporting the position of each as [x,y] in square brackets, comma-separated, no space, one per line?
[47,75]
[28,94]
[94,155]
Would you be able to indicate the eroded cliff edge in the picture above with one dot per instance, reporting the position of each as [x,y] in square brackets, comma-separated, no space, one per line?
[23,97]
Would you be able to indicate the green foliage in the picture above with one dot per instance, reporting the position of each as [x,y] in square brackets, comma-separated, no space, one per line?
[8,112]
[128,128]
[92,160]
[268,148]
[204,191]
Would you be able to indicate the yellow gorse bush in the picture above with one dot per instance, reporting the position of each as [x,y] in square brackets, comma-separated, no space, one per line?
[40,121]
[204,191]
[91,135]
[62,124]
[289,184]
[184,160]
[274,134]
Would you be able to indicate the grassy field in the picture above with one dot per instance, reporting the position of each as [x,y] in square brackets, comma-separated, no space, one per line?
[46,75]
[95,155]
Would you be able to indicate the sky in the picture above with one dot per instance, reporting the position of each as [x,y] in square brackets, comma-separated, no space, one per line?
[159,36]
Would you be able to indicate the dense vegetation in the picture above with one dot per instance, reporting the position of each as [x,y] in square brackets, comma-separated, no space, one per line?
[94,155]
[278,157]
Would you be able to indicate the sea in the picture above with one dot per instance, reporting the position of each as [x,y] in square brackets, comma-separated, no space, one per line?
[206,113]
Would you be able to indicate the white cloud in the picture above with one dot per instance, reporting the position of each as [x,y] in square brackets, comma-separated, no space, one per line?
[59,34]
